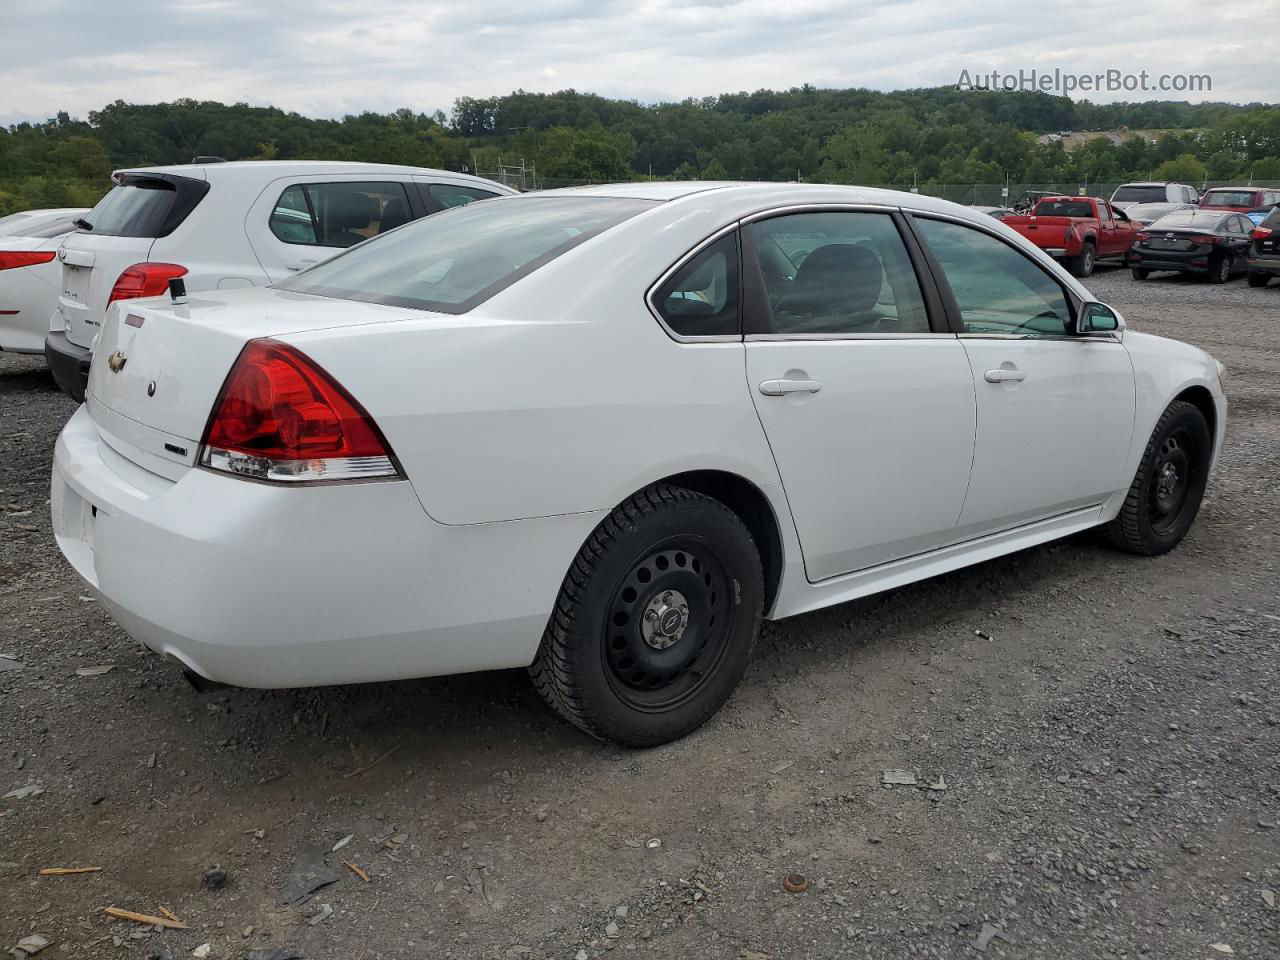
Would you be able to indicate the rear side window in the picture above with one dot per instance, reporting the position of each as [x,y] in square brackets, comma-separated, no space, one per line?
[453,261]
[338,214]
[701,298]
[451,195]
[146,206]
[838,273]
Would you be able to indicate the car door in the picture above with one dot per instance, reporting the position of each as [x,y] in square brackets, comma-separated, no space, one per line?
[298,221]
[865,398]
[1055,409]
[1239,232]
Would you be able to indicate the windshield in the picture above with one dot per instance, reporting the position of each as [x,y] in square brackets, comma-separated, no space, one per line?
[1229,198]
[1138,194]
[1063,208]
[453,261]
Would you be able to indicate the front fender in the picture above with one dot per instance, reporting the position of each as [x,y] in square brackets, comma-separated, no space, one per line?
[1163,370]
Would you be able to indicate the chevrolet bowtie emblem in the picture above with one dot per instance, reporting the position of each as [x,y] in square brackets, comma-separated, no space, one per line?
[116,361]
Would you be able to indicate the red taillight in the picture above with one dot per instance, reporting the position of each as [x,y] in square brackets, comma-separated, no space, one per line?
[144,280]
[9,259]
[1261,233]
[281,417]
[1205,238]
[1142,236]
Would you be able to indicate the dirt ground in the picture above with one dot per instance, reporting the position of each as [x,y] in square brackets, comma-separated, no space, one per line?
[1096,738]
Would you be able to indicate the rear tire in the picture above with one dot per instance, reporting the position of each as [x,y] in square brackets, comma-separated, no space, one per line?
[1139,274]
[655,620]
[1259,279]
[1220,270]
[1165,495]
[1082,263]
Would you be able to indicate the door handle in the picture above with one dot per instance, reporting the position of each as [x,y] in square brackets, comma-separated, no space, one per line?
[778,388]
[1004,375]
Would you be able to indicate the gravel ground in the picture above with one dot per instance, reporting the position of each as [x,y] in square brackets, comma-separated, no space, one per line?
[1095,739]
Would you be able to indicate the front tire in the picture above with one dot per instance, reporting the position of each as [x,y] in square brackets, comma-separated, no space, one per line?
[655,620]
[1082,263]
[1165,495]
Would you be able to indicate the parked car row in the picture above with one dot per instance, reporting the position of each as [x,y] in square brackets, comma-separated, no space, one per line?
[1220,236]
[433,452]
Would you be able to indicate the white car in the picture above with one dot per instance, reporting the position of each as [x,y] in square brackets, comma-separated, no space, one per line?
[220,226]
[1152,191]
[29,274]
[41,223]
[601,432]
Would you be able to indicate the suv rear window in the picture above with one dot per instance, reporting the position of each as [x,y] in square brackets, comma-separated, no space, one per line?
[1229,198]
[145,206]
[456,259]
[1139,195]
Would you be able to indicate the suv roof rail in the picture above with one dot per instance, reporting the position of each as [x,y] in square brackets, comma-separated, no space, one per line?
[208,160]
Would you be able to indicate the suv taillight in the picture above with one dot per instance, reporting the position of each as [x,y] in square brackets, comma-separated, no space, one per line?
[281,417]
[1259,233]
[9,259]
[144,280]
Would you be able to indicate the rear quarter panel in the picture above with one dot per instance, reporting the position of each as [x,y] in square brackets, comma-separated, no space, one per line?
[562,394]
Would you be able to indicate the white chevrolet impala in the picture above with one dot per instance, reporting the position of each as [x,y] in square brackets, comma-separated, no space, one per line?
[600,433]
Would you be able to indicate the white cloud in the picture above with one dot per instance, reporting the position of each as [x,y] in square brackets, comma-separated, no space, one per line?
[330,57]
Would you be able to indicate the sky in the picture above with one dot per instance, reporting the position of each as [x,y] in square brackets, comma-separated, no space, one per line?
[328,58]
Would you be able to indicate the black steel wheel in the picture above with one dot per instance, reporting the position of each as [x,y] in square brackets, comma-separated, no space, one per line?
[655,620]
[1220,269]
[1165,495]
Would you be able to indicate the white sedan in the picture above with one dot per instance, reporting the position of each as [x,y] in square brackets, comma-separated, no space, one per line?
[29,274]
[602,432]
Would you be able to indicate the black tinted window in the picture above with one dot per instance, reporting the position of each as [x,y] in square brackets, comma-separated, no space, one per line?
[133,209]
[838,273]
[338,214]
[1063,208]
[1139,195]
[450,195]
[453,261]
[701,298]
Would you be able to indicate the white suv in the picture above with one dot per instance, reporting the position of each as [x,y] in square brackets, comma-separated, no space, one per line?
[227,225]
[1152,191]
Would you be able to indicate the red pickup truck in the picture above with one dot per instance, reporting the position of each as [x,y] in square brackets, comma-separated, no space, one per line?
[1079,230]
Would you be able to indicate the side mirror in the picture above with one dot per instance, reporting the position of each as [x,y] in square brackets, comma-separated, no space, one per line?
[1097,317]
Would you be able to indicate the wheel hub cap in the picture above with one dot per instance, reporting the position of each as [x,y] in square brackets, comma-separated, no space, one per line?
[1168,481]
[666,616]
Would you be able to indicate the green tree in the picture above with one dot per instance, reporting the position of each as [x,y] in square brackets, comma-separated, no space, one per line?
[1184,167]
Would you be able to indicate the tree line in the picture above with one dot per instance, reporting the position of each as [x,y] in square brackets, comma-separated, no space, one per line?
[924,137]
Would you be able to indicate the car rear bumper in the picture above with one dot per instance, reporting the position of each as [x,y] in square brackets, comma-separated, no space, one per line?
[69,363]
[255,585]
[1261,263]
[1169,260]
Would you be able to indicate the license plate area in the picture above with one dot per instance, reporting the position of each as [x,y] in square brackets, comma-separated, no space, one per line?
[75,281]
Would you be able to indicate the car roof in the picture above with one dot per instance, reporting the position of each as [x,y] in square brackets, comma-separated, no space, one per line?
[1150,183]
[1245,189]
[267,170]
[755,194]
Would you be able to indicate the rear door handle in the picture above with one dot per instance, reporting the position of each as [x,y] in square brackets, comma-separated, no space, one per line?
[778,388]
[1004,375]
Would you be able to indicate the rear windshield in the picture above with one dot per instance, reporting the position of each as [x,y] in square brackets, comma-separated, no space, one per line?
[453,261]
[1230,198]
[1138,195]
[1063,208]
[145,206]
[1200,219]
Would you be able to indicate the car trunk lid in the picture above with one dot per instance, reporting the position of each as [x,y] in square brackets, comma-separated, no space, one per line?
[159,366]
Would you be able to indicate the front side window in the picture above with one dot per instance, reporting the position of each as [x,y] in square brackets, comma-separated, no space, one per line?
[998,289]
[452,261]
[838,273]
[451,195]
[338,214]
[701,298]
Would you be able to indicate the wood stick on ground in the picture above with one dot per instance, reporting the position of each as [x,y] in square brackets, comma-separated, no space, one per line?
[169,913]
[357,871]
[66,871]
[367,767]
[146,918]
